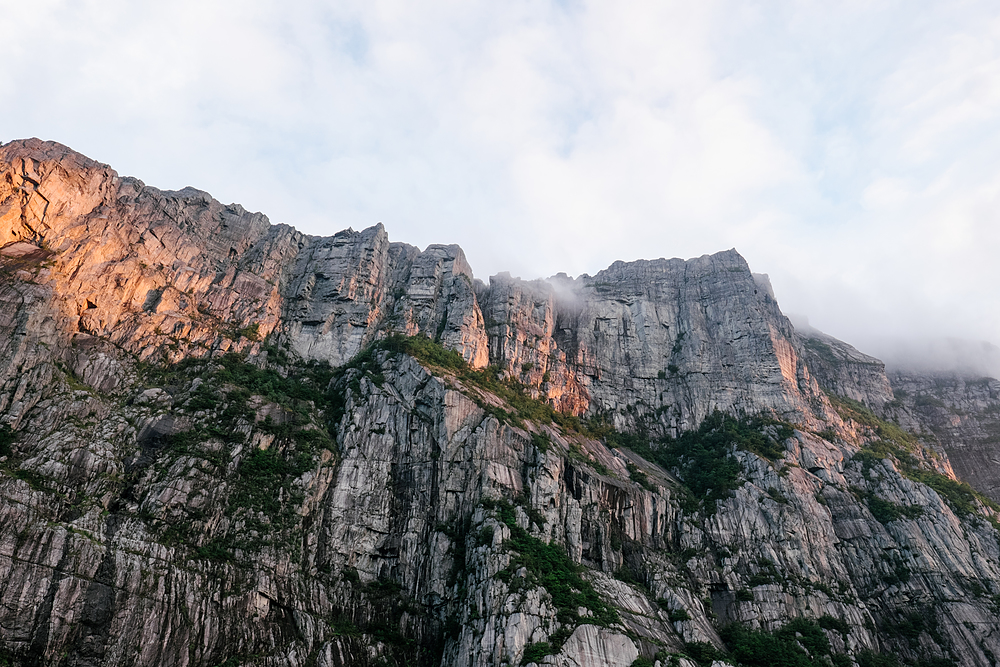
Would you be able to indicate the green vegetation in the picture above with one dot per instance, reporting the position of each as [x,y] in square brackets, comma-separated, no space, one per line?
[36,481]
[885,511]
[898,573]
[234,332]
[7,658]
[678,343]
[871,659]
[703,653]
[7,438]
[550,567]
[925,401]
[261,493]
[900,446]
[541,441]
[303,386]
[777,496]
[388,626]
[960,495]
[822,350]
[799,643]
[676,615]
[703,459]
[215,550]
[828,622]
[514,394]
[535,652]
[638,476]
[828,434]
[251,331]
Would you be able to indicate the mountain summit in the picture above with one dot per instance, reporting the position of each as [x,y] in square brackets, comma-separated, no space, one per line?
[227,442]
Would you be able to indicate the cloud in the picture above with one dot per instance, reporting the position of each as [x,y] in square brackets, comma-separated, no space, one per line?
[847,149]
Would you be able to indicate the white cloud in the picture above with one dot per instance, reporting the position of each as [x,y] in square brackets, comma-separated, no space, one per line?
[847,149]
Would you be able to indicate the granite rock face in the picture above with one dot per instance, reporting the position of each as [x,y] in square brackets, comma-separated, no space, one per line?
[962,414]
[671,339]
[843,370]
[205,459]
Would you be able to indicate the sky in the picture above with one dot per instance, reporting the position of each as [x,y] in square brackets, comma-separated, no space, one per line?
[850,150]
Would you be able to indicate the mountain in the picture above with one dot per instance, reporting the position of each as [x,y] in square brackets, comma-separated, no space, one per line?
[226,442]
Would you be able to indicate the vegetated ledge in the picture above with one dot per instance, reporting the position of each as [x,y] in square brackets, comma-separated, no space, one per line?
[702,459]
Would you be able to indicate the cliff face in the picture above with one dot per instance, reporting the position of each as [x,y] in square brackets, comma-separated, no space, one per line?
[661,342]
[209,457]
[960,413]
[165,275]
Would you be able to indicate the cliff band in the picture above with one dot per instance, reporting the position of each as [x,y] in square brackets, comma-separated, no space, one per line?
[227,442]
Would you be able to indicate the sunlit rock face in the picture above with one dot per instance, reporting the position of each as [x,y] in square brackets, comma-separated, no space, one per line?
[669,338]
[164,502]
[177,273]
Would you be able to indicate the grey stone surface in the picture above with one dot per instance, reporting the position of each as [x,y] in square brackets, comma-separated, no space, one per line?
[124,540]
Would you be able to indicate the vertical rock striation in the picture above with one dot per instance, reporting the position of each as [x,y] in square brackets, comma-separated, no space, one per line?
[208,458]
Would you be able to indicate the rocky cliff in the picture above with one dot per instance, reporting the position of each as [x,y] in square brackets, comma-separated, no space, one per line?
[227,442]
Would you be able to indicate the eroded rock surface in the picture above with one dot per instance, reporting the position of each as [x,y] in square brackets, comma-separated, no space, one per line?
[288,494]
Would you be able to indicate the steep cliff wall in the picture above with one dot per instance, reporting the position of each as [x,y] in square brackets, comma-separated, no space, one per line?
[962,414]
[658,343]
[205,459]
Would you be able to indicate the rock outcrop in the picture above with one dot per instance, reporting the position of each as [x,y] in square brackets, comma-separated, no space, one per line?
[962,414]
[219,446]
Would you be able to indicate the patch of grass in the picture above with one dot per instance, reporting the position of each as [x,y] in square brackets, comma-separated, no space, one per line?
[703,653]
[216,551]
[848,408]
[549,566]
[703,459]
[36,481]
[777,496]
[8,658]
[828,622]
[885,511]
[535,652]
[675,615]
[959,495]
[541,441]
[261,495]
[800,643]
[898,573]
[485,536]
[827,434]
[868,658]
[251,332]
[926,401]
[900,446]
[639,477]
[513,393]
[822,350]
